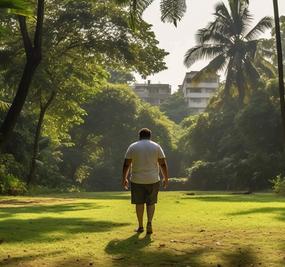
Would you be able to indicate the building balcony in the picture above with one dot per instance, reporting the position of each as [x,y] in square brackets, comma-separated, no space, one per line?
[202,85]
[199,95]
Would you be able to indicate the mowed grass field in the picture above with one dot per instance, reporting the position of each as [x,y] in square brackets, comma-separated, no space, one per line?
[96,229]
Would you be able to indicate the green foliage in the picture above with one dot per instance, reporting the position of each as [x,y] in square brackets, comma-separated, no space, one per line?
[175,107]
[102,28]
[178,183]
[12,185]
[85,43]
[171,10]
[10,171]
[9,165]
[267,48]
[19,5]
[279,185]
[234,148]
[114,116]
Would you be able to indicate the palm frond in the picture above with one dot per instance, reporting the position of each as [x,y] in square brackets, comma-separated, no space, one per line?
[251,73]
[265,48]
[172,10]
[216,64]
[209,34]
[265,66]
[136,8]
[13,4]
[251,48]
[240,16]
[221,11]
[224,22]
[4,106]
[264,24]
[199,52]
[246,19]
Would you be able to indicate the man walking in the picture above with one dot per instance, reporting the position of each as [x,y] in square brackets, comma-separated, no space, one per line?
[144,159]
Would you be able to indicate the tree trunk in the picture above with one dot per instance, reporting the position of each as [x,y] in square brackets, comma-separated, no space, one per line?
[43,109]
[18,102]
[32,172]
[280,66]
[33,54]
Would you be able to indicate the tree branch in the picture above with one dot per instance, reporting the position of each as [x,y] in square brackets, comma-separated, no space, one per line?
[25,35]
[39,25]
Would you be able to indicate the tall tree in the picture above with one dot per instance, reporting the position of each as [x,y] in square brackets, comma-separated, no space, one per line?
[280,64]
[76,50]
[230,44]
[33,51]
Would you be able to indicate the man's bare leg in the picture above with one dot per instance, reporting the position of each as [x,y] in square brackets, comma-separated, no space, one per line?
[139,211]
[150,211]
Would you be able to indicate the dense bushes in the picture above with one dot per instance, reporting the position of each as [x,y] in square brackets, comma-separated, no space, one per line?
[10,171]
[233,147]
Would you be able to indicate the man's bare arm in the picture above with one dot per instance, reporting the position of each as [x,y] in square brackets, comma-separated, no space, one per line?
[126,170]
[164,170]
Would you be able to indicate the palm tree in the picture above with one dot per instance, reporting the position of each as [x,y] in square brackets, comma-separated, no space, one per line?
[171,10]
[231,45]
[280,64]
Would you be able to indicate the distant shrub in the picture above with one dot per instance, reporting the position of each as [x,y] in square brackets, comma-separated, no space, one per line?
[11,185]
[178,183]
[10,171]
[279,185]
[203,176]
[9,165]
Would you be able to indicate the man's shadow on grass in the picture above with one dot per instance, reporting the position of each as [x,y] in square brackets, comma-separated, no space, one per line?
[134,243]
[137,251]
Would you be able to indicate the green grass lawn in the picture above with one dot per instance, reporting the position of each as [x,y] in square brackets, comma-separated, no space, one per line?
[96,229]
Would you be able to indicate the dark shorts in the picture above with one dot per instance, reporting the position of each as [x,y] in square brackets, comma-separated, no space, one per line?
[144,193]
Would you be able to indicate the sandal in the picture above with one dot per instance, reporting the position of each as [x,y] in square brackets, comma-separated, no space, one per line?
[149,228]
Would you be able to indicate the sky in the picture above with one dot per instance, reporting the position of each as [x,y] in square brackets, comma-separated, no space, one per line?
[178,40]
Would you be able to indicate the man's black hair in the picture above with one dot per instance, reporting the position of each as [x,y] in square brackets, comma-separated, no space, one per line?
[145,133]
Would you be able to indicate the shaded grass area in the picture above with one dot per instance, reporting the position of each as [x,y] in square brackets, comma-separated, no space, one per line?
[86,229]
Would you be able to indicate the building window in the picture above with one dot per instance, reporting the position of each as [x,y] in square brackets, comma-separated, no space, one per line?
[164,91]
[210,80]
[209,90]
[154,90]
[195,100]
[194,90]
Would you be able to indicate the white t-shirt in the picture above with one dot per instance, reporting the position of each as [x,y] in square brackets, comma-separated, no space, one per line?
[144,155]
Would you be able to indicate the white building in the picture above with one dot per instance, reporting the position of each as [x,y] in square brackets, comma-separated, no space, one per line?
[198,94]
[154,94]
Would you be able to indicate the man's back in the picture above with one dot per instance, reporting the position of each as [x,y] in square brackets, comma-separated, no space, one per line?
[144,155]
